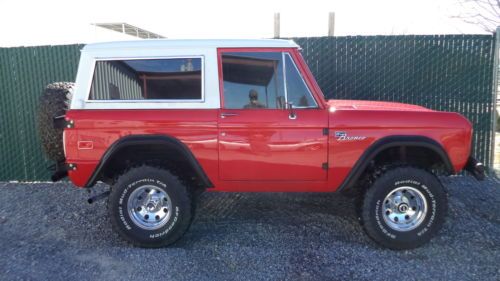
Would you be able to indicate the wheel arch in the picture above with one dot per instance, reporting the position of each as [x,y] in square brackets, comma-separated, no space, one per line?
[133,143]
[401,143]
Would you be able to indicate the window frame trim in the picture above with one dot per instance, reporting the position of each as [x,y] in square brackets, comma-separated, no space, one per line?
[294,53]
[301,78]
[220,51]
[202,68]
[283,65]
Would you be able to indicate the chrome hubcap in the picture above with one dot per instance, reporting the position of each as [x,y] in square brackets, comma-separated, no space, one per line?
[149,207]
[404,208]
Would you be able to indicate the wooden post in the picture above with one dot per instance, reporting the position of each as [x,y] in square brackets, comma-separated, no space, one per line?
[276,25]
[331,23]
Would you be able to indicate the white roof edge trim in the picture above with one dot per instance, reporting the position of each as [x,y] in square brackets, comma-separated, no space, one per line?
[193,43]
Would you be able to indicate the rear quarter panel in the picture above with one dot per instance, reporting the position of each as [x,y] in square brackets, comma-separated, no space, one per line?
[195,128]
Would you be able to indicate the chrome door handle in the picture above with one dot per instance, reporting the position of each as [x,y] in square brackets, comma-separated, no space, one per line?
[227,114]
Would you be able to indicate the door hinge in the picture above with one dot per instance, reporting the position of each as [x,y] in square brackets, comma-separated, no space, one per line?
[326,131]
[324,166]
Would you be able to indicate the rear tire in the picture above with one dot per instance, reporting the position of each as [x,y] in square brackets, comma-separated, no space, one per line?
[149,207]
[53,102]
[404,208]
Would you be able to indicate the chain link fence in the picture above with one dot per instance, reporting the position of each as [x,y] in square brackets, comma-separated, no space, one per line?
[447,72]
[441,72]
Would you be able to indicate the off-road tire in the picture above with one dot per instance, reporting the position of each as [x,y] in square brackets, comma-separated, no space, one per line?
[53,102]
[372,208]
[121,220]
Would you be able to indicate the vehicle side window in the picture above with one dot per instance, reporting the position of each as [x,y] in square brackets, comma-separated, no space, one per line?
[253,80]
[159,79]
[296,88]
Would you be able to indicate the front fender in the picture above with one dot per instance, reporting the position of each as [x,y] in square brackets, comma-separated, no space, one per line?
[393,141]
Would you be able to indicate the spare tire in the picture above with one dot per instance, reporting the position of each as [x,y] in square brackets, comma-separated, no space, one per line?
[53,102]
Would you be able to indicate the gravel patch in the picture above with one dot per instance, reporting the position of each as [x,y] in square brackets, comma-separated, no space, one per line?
[49,232]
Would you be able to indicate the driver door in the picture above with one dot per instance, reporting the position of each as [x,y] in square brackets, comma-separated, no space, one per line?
[260,137]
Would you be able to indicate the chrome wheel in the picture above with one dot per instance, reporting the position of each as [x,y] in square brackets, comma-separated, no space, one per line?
[404,208]
[149,207]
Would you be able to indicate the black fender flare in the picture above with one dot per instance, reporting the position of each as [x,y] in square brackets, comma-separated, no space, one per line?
[132,140]
[394,141]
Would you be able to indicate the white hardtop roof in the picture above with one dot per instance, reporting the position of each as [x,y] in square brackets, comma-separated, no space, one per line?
[193,43]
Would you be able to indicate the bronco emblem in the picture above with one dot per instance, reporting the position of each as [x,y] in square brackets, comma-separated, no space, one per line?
[342,136]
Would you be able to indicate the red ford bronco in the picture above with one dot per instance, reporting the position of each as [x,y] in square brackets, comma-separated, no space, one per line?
[161,121]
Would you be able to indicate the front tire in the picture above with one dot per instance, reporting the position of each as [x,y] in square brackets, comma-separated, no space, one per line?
[149,207]
[404,208]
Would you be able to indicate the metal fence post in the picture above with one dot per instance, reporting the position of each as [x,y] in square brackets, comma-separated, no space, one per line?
[494,97]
